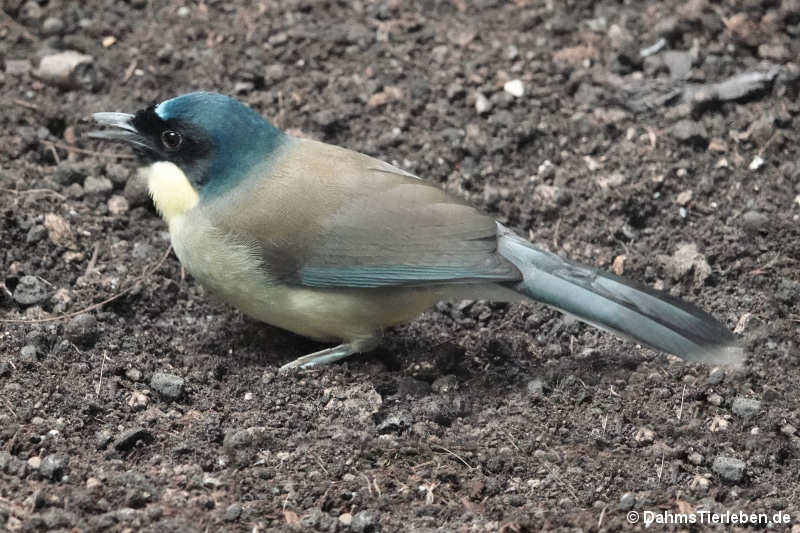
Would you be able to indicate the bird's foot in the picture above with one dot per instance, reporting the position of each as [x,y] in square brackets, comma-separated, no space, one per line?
[336,353]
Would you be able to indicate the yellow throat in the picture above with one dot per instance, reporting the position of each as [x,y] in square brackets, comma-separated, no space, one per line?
[170,189]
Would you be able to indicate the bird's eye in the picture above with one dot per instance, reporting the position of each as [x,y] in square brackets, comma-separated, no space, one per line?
[171,140]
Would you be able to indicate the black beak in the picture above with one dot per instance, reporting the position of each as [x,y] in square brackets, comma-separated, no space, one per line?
[124,130]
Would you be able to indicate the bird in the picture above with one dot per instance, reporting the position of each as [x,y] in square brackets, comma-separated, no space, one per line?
[338,246]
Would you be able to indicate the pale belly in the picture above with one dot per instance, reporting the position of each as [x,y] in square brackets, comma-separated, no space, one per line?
[233,272]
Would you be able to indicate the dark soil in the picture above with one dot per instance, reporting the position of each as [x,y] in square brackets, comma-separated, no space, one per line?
[476,416]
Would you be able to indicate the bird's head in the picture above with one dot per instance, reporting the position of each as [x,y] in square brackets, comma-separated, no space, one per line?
[198,146]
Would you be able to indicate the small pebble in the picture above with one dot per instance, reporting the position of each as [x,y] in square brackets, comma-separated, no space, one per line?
[53,467]
[98,186]
[103,439]
[233,512]
[754,221]
[30,291]
[714,399]
[168,385]
[82,330]
[482,104]
[745,407]
[118,205]
[363,522]
[536,387]
[52,26]
[689,131]
[515,88]
[756,163]
[716,376]
[546,171]
[28,353]
[627,501]
[729,468]
[66,69]
[695,458]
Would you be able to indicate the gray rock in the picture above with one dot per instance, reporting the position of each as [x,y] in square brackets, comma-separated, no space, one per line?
[31,291]
[167,385]
[679,64]
[5,369]
[244,438]
[695,458]
[716,376]
[232,512]
[97,186]
[28,353]
[729,468]
[745,407]
[82,330]
[36,234]
[690,132]
[536,387]
[103,439]
[52,26]
[53,467]
[364,522]
[482,104]
[627,501]
[118,174]
[754,221]
[312,519]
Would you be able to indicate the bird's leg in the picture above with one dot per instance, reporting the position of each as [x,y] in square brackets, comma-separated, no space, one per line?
[330,355]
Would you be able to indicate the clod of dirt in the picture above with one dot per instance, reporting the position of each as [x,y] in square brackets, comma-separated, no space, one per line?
[167,385]
[690,132]
[82,330]
[754,221]
[31,291]
[729,468]
[745,407]
[53,467]
[686,259]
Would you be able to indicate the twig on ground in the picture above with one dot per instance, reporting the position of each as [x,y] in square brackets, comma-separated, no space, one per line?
[144,275]
[84,151]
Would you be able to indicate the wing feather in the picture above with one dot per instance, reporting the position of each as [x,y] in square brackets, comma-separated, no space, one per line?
[323,216]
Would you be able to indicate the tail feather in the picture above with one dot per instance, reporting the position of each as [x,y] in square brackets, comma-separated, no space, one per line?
[614,304]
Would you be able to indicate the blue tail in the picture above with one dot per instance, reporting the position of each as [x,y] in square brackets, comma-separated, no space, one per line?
[614,304]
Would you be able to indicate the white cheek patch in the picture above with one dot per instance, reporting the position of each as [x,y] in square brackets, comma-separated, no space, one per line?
[170,189]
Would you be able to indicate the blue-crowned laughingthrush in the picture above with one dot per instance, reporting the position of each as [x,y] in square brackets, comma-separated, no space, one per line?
[337,246]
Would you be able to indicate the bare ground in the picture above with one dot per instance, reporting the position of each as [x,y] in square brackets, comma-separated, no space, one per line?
[476,416]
